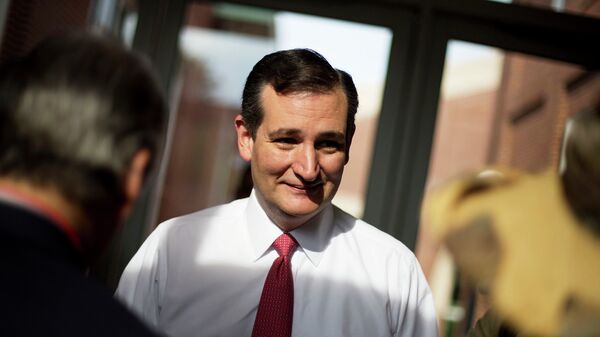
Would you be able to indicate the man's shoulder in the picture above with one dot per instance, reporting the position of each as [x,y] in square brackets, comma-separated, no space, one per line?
[369,238]
[116,319]
[202,220]
[55,287]
[205,216]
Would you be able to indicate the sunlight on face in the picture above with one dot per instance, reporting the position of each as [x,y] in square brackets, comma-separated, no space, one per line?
[299,153]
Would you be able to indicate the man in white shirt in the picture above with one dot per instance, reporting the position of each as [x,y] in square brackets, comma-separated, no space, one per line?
[204,274]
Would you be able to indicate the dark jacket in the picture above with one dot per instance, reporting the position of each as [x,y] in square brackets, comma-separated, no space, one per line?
[43,288]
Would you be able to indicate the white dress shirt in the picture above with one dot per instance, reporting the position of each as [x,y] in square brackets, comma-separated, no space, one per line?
[202,274]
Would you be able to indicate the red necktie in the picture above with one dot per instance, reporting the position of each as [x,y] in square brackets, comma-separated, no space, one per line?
[276,307]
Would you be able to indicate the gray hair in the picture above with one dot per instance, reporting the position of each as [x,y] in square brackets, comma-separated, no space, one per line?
[73,112]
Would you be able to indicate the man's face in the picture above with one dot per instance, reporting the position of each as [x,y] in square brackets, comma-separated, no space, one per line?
[298,154]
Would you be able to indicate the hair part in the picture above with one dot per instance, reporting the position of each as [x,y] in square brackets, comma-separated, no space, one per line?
[293,71]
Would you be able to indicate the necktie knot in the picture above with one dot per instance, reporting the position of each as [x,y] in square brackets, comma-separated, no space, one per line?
[285,244]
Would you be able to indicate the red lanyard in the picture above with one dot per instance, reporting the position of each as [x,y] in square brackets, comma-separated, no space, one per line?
[45,210]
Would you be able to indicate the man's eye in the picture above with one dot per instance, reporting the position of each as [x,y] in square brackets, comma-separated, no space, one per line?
[285,140]
[330,144]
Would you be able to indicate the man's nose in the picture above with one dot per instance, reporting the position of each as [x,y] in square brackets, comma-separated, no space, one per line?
[306,163]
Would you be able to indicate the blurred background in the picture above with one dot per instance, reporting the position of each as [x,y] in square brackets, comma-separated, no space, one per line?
[444,87]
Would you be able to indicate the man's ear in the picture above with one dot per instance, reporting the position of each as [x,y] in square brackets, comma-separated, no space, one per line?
[244,138]
[134,179]
[349,136]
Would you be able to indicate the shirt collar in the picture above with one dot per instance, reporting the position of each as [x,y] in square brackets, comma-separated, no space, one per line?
[313,237]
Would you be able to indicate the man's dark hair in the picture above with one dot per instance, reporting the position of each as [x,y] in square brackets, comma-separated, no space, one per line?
[73,112]
[292,71]
[581,178]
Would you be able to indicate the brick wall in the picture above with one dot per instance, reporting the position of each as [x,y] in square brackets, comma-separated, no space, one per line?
[534,101]
[29,21]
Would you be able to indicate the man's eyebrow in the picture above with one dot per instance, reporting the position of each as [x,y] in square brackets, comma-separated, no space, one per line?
[283,133]
[334,135]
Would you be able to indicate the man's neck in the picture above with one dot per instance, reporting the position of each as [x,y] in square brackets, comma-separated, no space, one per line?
[48,202]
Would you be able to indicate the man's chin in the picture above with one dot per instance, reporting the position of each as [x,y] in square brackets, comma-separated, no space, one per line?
[302,211]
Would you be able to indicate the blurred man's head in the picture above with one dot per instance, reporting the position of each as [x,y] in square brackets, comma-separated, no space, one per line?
[81,116]
[581,176]
[296,127]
